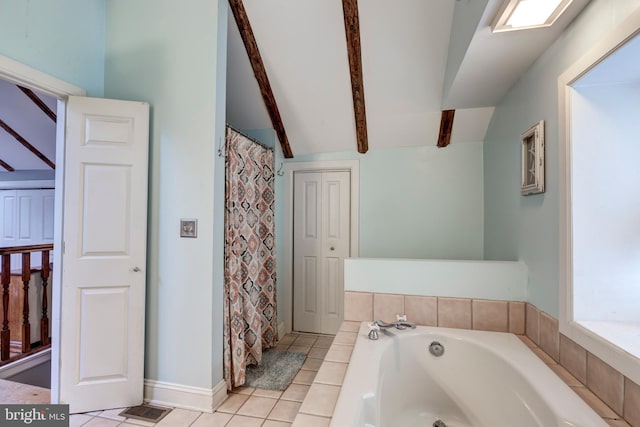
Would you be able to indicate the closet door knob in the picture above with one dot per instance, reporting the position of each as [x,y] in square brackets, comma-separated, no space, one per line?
[136,269]
[332,248]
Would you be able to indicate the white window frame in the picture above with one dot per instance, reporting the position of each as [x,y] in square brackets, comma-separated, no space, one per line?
[620,360]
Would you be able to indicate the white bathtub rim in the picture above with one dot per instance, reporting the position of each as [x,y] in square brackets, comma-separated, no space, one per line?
[361,378]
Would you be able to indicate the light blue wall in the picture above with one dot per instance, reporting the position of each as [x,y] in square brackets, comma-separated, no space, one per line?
[63,38]
[415,202]
[419,202]
[265,136]
[169,54]
[526,228]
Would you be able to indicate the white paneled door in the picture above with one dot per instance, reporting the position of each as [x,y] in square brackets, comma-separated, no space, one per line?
[321,242]
[104,226]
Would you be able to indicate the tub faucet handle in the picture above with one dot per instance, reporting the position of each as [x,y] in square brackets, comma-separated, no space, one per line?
[373,331]
[402,323]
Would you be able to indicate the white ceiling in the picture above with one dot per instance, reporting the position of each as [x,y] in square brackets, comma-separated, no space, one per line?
[24,117]
[418,56]
[415,62]
[493,62]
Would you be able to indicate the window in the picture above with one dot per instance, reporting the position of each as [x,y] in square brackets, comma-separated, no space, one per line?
[600,199]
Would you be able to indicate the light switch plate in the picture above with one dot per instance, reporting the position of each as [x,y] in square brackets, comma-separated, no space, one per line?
[188,227]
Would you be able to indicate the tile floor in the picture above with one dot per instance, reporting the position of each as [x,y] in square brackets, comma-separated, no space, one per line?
[20,394]
[245,406]
[248,407]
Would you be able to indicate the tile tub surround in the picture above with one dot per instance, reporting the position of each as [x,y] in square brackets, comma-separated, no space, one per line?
[462,313]
[614,397]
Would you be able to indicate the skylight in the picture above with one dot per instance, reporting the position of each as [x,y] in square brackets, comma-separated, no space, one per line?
[525,14]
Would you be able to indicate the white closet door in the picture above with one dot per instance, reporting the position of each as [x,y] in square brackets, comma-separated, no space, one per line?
[321,243]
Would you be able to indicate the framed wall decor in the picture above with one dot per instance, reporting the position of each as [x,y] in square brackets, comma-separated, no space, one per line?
[532,160]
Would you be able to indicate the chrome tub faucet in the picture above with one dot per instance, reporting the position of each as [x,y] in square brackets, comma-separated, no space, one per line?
[401,323]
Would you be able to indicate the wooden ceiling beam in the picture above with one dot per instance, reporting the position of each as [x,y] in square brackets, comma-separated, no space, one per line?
[240,15]
[446,126]
[26,144]
[352,31]
[6,165]
[39,102]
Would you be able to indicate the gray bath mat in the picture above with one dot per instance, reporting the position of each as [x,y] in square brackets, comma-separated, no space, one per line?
[276,371]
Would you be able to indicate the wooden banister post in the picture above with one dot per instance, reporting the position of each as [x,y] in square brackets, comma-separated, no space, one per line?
[44,321]
[5,335]
[8,306]
[26,327]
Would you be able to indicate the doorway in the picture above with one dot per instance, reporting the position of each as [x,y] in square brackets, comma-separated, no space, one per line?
[27,148]
[321,230]
[53,91]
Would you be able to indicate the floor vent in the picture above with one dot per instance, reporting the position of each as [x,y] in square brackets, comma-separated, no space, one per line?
[146,413]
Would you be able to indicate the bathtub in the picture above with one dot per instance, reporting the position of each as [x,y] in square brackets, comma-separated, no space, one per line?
[482,379]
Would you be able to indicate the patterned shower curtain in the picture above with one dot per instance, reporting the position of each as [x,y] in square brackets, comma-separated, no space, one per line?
[250,323]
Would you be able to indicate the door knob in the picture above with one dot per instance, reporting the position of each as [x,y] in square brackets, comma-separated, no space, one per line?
[332,248]
[137,269]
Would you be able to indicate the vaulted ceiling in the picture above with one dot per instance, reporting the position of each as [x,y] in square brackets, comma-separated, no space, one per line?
[27,132]
[418,58]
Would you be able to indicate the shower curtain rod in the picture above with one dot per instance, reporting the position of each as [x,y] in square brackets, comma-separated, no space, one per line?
[262,144]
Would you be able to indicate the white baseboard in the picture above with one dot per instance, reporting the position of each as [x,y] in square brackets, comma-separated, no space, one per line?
[281,330]
[183,396]
[219,394]
[21,365]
